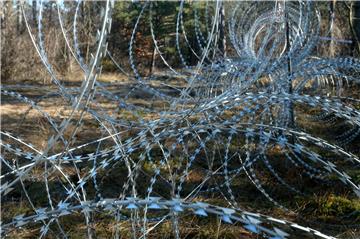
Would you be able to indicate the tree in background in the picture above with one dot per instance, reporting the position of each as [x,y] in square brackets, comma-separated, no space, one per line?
[17,47]
[355,23]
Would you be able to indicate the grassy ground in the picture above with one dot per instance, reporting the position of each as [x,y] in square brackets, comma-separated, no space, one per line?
[327,205]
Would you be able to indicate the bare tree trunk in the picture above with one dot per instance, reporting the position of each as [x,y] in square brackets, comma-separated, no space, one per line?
[332,43]
[50,10]
[355,23]
[19,19]
[34,3]
[153,56]
[291,121]
[4,8]
[88,26]
[152,64]
[222,38]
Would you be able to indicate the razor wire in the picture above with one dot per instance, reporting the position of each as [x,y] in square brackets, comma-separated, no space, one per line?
[229,113]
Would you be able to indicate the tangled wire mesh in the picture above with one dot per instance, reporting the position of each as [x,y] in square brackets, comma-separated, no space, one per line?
[197,129]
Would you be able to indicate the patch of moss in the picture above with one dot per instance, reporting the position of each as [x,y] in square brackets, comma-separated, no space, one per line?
[331,207]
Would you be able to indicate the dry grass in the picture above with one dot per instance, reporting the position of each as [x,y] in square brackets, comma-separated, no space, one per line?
[35,129]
